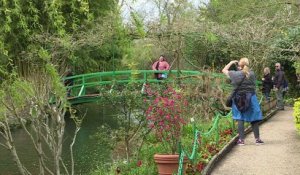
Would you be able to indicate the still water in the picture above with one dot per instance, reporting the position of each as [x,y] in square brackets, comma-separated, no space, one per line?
[89,151]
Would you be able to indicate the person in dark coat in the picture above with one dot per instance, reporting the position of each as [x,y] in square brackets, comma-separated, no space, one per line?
[267,83]
[278,85]
[68,82]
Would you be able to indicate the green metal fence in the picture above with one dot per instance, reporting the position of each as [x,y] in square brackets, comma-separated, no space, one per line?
[198,136]
[197,140]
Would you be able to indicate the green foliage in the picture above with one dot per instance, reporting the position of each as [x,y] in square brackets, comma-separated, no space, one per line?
[24,91]
[3,109]
[212,50]
[138,24]
[285,46]
[143,162]
[47,30]
[297,114]
[297,66]
[228,11]
[128,102]
[19,91]
[57,87]
[139,56]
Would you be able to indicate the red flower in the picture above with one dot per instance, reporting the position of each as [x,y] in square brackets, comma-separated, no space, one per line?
[200,166]
[139,163]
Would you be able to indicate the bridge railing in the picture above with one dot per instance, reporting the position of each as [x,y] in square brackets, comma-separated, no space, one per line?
[89,87]
[81,83]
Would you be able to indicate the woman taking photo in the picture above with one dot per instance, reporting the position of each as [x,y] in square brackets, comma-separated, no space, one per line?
[245,106]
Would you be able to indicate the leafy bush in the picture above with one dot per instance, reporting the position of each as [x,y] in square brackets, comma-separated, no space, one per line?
[297,114]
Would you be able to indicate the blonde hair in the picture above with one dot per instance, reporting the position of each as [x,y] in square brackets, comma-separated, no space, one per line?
[266,70]
[244,63]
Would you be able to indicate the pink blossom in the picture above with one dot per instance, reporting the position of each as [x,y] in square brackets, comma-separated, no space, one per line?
[171,103]
[166,115]
[151,125]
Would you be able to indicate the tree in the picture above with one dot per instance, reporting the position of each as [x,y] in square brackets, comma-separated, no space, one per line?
[130,104]
[27,103]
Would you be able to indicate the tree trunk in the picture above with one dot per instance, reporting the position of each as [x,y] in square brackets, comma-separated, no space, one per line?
[12,148]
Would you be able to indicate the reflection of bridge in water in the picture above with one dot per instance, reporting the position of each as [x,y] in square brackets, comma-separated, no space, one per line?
[87,87]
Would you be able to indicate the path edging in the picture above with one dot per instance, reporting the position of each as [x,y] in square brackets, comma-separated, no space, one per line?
[217,157]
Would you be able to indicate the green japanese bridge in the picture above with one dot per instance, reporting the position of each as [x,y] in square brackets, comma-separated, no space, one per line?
[87,88]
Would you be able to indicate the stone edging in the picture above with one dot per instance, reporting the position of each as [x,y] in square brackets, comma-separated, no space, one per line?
[217,157]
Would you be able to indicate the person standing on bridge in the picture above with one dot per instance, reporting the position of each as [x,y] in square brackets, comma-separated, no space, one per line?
[245,106]
[161,64]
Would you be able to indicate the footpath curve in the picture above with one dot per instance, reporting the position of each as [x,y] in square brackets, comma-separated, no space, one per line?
[280,155]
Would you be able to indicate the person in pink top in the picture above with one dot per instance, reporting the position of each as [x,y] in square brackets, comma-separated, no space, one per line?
[161,64]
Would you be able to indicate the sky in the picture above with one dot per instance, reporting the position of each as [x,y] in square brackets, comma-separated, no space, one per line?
[142,7]
[146,7]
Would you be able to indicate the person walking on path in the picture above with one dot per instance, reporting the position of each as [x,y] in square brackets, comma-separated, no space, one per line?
[245,106]
[161,64]
[267,83]
[278,85]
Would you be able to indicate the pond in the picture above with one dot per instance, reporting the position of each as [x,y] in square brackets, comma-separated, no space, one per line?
[88,149]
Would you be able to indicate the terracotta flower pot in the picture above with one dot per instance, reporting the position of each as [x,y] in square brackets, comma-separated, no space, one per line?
[168,164]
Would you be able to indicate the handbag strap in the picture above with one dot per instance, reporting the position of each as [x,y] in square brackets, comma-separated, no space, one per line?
[157,65]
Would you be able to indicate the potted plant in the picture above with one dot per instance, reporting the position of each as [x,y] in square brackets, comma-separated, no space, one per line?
[165,116]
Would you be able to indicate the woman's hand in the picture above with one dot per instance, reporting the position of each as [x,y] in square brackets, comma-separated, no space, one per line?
[226,68]
[234,62]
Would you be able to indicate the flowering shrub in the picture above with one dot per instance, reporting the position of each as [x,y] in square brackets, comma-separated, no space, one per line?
[165,116]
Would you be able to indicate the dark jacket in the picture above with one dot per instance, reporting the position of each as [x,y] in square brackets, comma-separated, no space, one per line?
[279,79]
[69,82]
[267,83]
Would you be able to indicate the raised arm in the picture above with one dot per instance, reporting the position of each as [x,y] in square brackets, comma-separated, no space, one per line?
[226,68]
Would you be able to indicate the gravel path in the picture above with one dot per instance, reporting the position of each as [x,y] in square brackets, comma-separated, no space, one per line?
[280,155]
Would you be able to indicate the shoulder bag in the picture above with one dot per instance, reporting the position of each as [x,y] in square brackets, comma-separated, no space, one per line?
[229,98]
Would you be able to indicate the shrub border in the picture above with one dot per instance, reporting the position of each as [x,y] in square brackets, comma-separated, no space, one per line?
[226,149]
